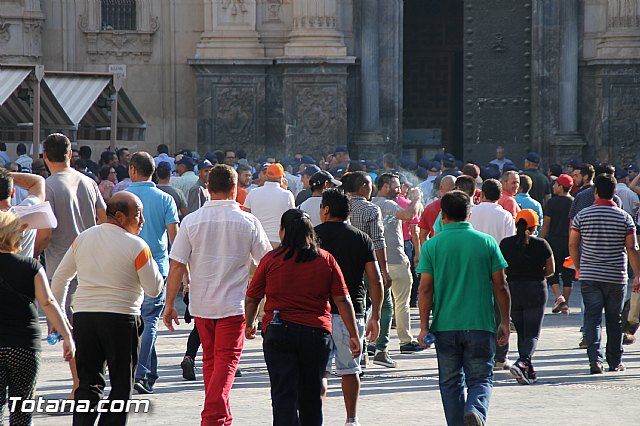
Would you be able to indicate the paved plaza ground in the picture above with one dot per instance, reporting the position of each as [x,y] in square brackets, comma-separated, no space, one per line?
[408,395]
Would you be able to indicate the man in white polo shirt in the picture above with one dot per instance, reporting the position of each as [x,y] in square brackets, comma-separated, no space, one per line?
[270,201]
[218,241]
[489,217]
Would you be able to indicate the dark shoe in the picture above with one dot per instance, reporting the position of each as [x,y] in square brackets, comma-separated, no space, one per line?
[238,372]
[383,359]
[411,347]
[142,387]
[596,368]
[371,349]
[520,371]
[188,366]
[628,339]
[619,367]
[471,418]
[583,343]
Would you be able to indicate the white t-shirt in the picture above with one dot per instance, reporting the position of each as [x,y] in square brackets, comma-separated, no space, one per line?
[29,236]
[492,219]
[628,197]
[219,241]
[312,206]
[268,203]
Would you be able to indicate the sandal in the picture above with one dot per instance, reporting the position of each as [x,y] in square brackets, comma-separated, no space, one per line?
[557,305]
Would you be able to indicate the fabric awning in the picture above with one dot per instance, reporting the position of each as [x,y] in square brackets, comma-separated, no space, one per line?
[76,104]
[11,79]
[76,94]
[86,99]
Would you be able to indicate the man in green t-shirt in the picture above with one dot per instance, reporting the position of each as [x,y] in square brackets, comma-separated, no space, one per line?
[462,270]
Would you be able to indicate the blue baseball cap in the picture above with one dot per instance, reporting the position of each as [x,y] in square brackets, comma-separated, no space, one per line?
[311,170]
[204,164]
[307,159]
[633,167]
[621,173]
[339,149]
[187,161]
[573,163]
[533,157]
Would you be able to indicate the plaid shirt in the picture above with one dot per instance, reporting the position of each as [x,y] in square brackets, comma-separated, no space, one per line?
[367,217]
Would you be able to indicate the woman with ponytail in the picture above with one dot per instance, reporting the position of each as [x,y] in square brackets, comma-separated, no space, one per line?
[530,262]
[297,279]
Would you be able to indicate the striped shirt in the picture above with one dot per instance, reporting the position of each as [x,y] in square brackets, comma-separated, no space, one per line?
[367,217]
[603,229]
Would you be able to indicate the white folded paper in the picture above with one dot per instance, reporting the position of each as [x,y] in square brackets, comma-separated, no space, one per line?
[39,216]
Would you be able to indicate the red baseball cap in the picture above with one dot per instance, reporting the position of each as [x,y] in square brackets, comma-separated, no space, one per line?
[565,180]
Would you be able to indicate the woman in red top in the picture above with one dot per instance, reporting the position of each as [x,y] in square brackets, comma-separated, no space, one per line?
[298,278]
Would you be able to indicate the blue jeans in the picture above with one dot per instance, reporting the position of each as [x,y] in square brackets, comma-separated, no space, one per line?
[610,297]
[148,359]
[465,357]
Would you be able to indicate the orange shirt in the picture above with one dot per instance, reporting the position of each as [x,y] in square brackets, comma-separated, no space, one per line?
[241,195]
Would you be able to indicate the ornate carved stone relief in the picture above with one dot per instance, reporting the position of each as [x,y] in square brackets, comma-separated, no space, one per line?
[5,35]
[234,112]
[273,10]
[624,122]
[316,111]
[622,14]
[105,43]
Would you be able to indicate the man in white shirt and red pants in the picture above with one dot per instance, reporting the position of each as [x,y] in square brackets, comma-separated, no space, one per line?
[218,241]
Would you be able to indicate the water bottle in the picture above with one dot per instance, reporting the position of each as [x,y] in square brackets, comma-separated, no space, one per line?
[54,338]
[276,318]
[429,339]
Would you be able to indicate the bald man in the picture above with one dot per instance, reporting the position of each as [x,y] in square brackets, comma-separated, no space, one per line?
[115,268]
[431,212]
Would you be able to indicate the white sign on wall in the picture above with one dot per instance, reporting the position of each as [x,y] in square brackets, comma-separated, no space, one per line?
[118,70]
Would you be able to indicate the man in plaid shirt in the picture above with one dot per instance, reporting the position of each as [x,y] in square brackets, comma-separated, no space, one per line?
[367,217]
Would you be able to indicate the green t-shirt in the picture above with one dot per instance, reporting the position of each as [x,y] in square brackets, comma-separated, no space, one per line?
[461,261]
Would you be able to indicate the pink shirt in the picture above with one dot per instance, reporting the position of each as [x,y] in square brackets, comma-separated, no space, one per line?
[508,202]
[404,203]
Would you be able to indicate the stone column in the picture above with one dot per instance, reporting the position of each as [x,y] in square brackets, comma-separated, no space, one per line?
[569,67]
[568,141]
[230,30]
[369,139]
[369,69]
[315,33]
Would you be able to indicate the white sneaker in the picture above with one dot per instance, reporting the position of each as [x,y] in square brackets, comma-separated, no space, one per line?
[506,365]
[352,422]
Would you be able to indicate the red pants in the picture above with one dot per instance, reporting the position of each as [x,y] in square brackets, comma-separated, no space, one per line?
[222,342]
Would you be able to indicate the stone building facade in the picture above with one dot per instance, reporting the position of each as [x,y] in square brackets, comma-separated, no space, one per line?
[413,77]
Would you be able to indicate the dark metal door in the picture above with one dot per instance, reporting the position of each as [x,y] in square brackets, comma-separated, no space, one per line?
[497,78]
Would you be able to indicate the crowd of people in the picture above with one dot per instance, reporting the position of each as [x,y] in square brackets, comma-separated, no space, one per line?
[322,257]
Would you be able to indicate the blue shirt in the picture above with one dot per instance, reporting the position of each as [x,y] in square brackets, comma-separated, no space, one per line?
[159,211]
[525,201]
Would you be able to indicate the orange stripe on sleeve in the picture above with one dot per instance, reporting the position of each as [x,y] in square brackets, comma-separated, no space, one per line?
[143,258]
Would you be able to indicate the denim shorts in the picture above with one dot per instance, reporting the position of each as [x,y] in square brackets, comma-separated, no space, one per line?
[345,362]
